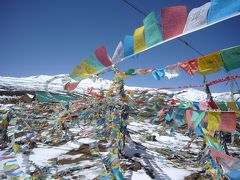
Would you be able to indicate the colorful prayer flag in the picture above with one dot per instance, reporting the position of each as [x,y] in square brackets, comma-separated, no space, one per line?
[71,86]
[172,71]
[152,30]
[231,58]
[139,40]
[210,64]
[222,8]
[102,56]
[118,53]
[197,17]
[214,120]
[191,66]
[128,45]
[228,122]
[173,21]
[93,62]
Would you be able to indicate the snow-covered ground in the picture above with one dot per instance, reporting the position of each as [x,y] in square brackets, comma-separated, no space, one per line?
[56,84]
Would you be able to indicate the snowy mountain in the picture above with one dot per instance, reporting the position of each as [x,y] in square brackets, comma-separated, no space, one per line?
[56,83]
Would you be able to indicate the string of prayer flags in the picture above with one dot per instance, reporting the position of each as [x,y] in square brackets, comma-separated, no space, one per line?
[210,64]
[152,32]
[128,45]
[173,21]
[222,8]
[172,71]
[197,17]
[139,40]
[228,78]
[118,53]
[102,56]
[231,58]
[133,72]
[191,66]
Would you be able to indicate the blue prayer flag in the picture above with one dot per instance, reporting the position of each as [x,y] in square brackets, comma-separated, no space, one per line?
[222,8]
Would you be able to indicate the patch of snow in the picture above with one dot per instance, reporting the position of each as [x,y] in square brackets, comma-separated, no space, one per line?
[175,173]
[140,175]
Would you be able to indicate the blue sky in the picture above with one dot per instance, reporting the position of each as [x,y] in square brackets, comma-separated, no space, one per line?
[51,37]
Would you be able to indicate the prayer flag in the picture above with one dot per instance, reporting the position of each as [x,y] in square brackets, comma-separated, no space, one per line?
[118,53]
[172,71]
[222,106]
[139,41]
[210,63]
[231,58]
[191,67]
[222,8]
[71,86]
[188,116]
[197,17]
[228,122]
[102,56]
[173,21]
[232,105]
[93,62]
[214,120]
[128,45]
[158,74]
[87,68]
[152,30]
[212,141]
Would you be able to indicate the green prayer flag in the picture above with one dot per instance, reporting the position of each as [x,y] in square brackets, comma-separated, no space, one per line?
[231,58]
[222,106]
[152,31]
[197,117]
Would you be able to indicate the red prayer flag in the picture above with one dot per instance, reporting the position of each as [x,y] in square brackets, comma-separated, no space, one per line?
[71,86]
[228,122]
[188,117]
[213,105]
[173,21]
[191,67]
[217,154]
[102,56]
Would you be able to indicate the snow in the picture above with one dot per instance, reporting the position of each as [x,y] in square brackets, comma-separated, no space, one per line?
[176,174]
[41,155]
[56,84]
[140,175]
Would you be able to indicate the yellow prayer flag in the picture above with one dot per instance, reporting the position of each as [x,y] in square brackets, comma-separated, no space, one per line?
[232,106]
[214,120]
[87,68]
[210,64]
[139,41]
[121,75]
[16,148]
[79,72]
